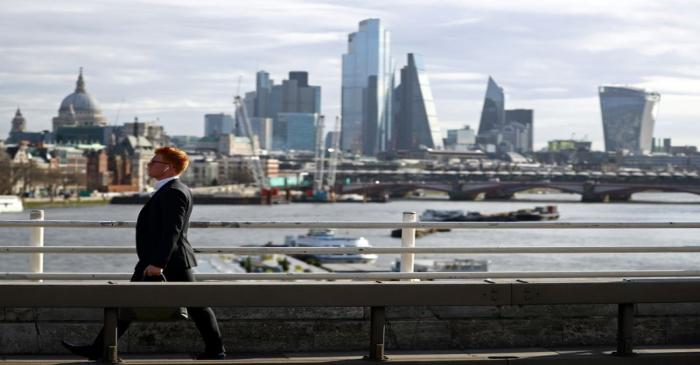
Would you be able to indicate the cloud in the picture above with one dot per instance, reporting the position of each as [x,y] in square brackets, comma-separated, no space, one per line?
[550,90]
[456,76]
[671,85]
[460,22]
[177,60]
[659,40]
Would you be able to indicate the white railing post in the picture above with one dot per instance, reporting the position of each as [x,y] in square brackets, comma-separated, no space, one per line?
[408,239]
[36,239]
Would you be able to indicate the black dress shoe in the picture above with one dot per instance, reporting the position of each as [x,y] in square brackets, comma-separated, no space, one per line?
[211,356]
[82,350]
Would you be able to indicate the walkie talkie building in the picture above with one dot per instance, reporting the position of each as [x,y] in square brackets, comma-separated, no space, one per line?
[628,118]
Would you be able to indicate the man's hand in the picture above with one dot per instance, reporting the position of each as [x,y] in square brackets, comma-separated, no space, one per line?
[152,271]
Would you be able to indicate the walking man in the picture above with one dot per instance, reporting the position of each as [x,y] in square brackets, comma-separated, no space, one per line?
[163,248]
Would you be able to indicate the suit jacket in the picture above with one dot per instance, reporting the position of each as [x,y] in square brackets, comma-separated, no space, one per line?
[161,229]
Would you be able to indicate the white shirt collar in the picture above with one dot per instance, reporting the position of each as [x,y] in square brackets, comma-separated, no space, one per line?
[160,183]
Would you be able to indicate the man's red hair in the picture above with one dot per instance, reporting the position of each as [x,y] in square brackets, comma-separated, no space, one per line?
[174,156]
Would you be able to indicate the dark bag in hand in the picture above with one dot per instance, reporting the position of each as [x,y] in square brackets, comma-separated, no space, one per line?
[153,314]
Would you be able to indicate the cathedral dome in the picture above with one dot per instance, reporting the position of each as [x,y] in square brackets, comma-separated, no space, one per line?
[81,101]
[79,109]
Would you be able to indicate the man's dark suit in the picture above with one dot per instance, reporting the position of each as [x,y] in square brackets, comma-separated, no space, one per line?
[161,229]
[161,240]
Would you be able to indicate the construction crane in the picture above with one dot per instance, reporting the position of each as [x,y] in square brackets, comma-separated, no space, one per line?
[335,149]
[319,160]
[254,163]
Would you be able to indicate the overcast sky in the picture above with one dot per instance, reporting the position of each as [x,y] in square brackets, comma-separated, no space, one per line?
[177,60]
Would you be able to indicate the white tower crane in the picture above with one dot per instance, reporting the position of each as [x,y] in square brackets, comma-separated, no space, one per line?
[333,163]
[254,162]
[319,157]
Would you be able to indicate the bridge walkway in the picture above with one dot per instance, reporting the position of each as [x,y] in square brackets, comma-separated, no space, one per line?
[564,356]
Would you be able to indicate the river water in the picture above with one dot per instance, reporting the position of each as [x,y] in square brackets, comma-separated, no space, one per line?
[645,207]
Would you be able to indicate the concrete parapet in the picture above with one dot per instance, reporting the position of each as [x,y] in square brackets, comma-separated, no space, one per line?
[275,330]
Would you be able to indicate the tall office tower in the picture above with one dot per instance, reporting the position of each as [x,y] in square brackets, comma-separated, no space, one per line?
[301,77]
[297,96]
[415,122]
[249,103]
[263,87]
[525,118]
[215,124]
[262,128]
[628,117]
[294,95]
[493,112]
[514,137]
[301,130]
[367,86]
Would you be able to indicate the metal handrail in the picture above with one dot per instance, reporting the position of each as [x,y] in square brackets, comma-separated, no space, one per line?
[362,225]
[360,250]
[375,275]
[37,224]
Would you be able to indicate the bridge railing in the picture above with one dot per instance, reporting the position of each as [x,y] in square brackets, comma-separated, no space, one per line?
[376,291]
[408,249]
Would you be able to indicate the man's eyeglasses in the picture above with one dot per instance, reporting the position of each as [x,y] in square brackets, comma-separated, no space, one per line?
[152,162]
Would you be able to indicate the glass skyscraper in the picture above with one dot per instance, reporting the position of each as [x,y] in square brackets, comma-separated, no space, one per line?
[415,123]
[300,129]
[294,95]
[262,127]
[367,86]
[493,113]
[628,117]
[515,118]
[215,124]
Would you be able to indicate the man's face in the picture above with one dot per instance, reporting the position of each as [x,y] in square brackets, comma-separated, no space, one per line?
[158,168]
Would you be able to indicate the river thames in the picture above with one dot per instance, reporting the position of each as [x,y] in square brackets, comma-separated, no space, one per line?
[645,207]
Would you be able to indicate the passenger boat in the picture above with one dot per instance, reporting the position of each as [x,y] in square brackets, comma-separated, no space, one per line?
[449,265]
[549,212]
[10,204]
[327,238]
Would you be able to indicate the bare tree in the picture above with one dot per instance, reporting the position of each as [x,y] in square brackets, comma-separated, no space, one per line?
[8,177]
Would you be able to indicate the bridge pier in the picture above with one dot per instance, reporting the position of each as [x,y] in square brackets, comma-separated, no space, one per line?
[460,195]
[605,197]
[620,197]
[377,197]
[498,195]
[591,196]
[398,194]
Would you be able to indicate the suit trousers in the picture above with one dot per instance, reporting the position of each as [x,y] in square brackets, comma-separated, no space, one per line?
[204,318]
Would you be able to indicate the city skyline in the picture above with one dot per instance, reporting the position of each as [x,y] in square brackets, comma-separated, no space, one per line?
[178,62]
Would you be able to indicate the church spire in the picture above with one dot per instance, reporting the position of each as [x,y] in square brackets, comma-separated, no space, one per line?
[80,85]
[19,124]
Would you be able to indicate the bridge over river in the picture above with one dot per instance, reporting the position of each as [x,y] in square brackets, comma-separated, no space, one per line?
[472,185]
